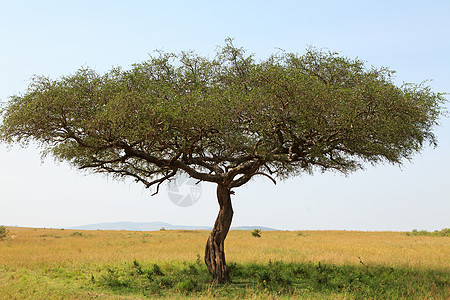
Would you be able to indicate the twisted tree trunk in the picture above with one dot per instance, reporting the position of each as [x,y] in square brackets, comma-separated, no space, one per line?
[214,252]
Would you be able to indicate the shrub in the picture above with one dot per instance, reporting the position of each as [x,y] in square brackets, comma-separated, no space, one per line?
[442,232]
[256,232]
[76,233]
[3,232]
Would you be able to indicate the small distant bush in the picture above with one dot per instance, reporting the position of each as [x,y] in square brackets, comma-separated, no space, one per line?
[3,232]
[76,233]
[162,229]
[256,233]
[442,232]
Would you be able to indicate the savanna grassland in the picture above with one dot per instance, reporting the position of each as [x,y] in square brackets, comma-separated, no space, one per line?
[68,264]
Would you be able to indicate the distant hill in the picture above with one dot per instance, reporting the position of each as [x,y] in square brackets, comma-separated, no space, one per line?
[154,226]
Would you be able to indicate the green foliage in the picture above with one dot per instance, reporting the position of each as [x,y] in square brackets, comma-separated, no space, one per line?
[187,286]
[3,232]
[227,116]
[152,280]
[274,280]
[277,279]
[157,270]
[442,232]
[256,232]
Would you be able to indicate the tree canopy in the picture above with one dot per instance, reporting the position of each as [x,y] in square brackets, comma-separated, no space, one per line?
[225,119]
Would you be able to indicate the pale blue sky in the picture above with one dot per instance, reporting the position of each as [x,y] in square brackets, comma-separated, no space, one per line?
[55,38]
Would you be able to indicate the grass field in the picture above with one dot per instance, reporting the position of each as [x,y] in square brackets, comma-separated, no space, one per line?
[67,264]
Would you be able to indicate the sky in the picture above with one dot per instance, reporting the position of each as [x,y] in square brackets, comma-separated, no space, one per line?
[55,38]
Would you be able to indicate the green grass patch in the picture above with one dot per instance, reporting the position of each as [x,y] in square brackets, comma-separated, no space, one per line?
[279,280]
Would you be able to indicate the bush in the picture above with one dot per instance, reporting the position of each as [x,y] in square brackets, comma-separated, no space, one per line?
[3,232]
[76,233]
[256,232]
[442,232]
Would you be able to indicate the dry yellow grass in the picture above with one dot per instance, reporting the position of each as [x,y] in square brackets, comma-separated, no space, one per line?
[344,247]
[28,247]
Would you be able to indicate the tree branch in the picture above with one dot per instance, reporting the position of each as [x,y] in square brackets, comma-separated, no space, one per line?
[161,180]
[99,163]
[123,173]
[246,178]
[264,174]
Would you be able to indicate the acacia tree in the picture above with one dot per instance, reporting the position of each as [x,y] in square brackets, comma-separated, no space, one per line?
[225,120]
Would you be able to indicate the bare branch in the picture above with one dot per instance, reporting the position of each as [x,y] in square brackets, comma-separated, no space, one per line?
[213,167]
[161,180]
[123,173]
[98,163]
[246,178]
[241,181]
[264,174]
[268,169]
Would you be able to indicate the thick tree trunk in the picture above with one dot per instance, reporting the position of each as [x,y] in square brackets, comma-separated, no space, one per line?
[214,252]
